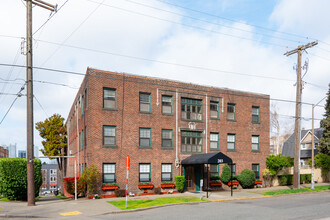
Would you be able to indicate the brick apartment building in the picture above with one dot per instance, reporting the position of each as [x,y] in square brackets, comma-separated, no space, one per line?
[3,152]
[158,123]
[49,177]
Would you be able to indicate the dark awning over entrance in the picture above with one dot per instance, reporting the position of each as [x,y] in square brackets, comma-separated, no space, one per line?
[210,158]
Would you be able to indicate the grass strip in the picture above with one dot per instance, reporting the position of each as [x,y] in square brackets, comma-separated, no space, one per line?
[136,204]
[4,200]
[293,191]
[61,197]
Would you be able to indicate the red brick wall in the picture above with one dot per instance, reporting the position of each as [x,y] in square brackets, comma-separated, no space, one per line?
[128,120]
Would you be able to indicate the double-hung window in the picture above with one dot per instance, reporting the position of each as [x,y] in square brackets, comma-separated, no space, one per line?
[231,112]
[144,172]
[167,102]
[231,142]
[109,173]
[167,138]
[191,142]
[214,170]
[145,102]
[214,109]
[109,98]
[256,169]
[255,114]
[85,136]
[255,142]
[145,137]
[214,141]
[109,136]
[166,172]
[191,109]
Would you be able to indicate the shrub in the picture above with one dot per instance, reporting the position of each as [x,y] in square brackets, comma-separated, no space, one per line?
[70,184]
[179,183]
[283,180]
[268,176]
[158,190]
[247,178]
[120,192]
[91,177]
[225,175]
[13,178]
[215,177]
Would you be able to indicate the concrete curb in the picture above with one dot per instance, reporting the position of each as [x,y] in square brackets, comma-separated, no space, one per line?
[21,216]
[153,207]
[257,197]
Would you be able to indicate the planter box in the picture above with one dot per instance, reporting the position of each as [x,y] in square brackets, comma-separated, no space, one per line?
[235,183]
[104,188]
[146,187]
[167,185]
[258,183]
[217,184]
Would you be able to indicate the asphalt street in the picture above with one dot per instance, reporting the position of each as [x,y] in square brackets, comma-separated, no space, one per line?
[294,206]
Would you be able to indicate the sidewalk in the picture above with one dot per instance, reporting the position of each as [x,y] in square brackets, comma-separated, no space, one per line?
[51,207]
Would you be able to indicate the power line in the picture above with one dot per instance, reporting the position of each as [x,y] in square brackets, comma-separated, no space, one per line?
[50,17]
[41,106]
[128,80]
[70,35]
[236,21]
[166,62]
[17,95]
[202,20]
[190,26]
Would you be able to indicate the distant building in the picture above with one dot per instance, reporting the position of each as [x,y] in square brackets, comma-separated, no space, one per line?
[11,149]
[22,154]
[49,177]
[276,144]
[3,152]
[305,145]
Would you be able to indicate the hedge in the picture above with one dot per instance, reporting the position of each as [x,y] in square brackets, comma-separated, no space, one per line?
[13,178]
[284,180]
[179,183]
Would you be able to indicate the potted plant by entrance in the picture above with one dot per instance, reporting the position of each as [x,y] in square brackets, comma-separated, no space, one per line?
[110,186]
[215,181]
[145,186]
[167,185]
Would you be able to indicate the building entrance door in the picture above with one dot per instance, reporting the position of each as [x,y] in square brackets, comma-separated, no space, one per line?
[190,178]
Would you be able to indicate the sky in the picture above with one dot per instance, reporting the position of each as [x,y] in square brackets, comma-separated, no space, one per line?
[235,44]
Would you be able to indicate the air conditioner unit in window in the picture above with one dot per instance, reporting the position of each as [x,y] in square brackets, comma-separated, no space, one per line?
[199,117]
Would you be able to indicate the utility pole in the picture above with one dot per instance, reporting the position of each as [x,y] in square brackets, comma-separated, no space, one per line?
[29,96]
[296,168]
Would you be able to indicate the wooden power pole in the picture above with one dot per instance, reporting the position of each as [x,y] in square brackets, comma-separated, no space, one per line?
[29,80]
[296,169]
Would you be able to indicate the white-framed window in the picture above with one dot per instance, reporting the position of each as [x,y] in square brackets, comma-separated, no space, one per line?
[109,136]
[109,98]
[214,141]
[167,104]
[167,172]
[255,143]
[144,172]
[109,173]
[145,138]
[231,142]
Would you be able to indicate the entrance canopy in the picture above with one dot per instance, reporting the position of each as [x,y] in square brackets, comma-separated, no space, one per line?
[210,158]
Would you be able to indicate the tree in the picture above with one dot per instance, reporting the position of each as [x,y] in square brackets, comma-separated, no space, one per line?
[324,145]
[225,175]
[276,163]
[91,177]
[275,125]
[53,132]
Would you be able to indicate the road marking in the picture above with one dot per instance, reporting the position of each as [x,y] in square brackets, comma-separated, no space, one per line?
[71,213]
[224,200]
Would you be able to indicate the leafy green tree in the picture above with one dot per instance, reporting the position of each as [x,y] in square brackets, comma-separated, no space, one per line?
[53,132]
[324,145]
[276,163]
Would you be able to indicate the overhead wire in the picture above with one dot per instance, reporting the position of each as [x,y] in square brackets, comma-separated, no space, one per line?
[226,91]
[40,105]
[17,96]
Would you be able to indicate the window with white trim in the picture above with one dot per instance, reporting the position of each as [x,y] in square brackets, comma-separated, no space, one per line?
[231,142]
[214,141]
[109,136]
[167,104]
[109,173]
[166,172]
[255,142]
[109,98]
[145,137]
[144,172]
